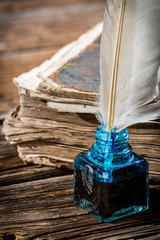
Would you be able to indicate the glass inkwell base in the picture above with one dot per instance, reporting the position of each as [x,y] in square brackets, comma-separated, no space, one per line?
[110,181]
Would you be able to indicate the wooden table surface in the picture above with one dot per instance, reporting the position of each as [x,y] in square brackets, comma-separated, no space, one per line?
[36,201]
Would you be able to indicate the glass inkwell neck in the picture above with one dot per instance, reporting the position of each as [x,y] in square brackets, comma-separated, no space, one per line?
[110,148]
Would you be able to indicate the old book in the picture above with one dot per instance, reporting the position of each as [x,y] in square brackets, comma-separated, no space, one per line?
[70,79]
[55,119]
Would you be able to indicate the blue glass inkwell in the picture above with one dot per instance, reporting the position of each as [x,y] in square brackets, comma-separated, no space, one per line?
[110,181]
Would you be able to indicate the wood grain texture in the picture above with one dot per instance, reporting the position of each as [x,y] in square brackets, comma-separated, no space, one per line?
[43,209]
[6,149]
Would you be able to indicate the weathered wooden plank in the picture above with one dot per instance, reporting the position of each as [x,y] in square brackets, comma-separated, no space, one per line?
[8,155]
[43,209]
[124,232]
[29,173]
[7,149]
[6,164]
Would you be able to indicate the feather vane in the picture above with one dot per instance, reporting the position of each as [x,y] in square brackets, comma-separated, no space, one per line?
[129,62]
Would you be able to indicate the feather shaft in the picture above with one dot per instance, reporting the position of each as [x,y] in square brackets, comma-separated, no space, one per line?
[112,99]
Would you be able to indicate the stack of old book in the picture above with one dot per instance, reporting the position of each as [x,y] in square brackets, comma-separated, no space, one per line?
[58,101]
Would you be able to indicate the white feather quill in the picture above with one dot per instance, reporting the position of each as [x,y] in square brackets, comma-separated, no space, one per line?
[129,62]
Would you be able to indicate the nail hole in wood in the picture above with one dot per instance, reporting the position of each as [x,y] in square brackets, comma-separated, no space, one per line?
[44,101]
[9,236]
